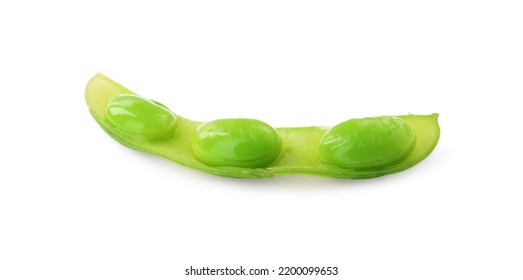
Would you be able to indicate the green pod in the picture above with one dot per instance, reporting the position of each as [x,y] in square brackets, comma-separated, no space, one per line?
[244,148]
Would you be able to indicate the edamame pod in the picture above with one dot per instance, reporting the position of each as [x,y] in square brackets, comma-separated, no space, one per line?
[247,148]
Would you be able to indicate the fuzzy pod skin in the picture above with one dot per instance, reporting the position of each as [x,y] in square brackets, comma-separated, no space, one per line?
[246,148]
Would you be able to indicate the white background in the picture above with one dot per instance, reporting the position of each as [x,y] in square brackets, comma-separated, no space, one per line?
[75,204]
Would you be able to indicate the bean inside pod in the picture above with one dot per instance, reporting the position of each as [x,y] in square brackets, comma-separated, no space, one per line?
[367,142]
[236,142]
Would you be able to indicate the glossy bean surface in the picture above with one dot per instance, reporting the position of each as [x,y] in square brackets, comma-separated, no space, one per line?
[367,142]
[136,115]
[236,142]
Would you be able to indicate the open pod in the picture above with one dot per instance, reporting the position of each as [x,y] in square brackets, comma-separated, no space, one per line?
[247,148]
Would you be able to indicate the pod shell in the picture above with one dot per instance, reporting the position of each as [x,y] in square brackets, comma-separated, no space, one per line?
[299,153]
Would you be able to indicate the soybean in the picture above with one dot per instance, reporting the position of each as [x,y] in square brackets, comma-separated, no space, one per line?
[367,143]
[135,115]
[236,142]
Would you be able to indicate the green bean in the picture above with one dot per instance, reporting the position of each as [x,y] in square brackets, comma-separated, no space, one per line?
[367,143]
[136,116]
[236,142]
[248,148]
